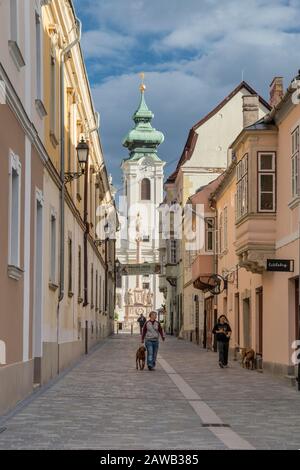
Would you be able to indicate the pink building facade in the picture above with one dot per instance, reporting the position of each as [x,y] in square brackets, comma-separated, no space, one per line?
[256,234]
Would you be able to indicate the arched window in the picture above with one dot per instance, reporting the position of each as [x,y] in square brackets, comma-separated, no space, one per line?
[145,190]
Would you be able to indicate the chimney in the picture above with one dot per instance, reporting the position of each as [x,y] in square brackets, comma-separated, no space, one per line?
[276,91]
[250,109]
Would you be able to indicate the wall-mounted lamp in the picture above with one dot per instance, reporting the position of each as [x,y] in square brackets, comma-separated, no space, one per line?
[82,150]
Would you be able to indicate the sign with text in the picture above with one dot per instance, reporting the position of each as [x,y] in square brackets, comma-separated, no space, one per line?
[283,265]
[139,269]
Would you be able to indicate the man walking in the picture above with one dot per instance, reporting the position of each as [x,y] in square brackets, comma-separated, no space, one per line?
[150,334]
[141,320]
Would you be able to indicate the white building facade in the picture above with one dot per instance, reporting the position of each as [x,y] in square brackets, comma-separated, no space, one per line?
[138,241]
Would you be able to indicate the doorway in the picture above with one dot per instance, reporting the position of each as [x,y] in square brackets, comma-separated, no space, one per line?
[259,310]
[247,323]
[237,319]
[197,319]
[297,325]
[38,291]
[208,322]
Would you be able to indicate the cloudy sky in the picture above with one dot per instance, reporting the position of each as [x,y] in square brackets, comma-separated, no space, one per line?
[194,52]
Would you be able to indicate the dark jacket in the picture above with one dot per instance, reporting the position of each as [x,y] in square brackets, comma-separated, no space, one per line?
[222,336]
[142,321]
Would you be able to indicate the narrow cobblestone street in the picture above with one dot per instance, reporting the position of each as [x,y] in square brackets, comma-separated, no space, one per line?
[104,403]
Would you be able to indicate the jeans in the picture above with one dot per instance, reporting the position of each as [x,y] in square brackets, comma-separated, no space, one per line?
[152,348]
[223,352]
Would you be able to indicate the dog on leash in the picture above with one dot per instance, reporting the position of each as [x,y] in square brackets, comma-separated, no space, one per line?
[248,358]
[140,358]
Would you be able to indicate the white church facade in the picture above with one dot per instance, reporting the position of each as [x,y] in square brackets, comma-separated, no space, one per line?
[138,239]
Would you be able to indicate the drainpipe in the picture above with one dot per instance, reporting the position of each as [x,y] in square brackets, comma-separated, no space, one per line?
[85,221]
[62,174]
[86,232]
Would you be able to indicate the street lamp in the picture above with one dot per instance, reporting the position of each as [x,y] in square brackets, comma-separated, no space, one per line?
[82,150]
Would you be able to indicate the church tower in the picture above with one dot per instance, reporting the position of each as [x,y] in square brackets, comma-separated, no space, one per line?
[139,217]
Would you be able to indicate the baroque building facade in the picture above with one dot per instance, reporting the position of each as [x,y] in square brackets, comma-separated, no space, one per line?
[138,239]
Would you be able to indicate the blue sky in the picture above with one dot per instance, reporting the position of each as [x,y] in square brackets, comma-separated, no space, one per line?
[193,52]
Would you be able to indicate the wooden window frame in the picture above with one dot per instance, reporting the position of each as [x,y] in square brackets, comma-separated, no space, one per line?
[268,172]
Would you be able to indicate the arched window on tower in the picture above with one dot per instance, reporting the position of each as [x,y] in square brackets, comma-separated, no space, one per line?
[145,190]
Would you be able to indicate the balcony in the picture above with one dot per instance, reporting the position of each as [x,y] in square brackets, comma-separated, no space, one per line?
[172,274]
[162,284]
[255,241]
[202,269]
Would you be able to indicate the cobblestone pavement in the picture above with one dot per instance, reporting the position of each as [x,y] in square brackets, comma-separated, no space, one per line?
[104,403]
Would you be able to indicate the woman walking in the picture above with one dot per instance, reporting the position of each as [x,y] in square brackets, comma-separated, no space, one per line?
[223,331]
[150,335]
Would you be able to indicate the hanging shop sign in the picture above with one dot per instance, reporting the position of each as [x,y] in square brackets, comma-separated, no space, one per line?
[282,265]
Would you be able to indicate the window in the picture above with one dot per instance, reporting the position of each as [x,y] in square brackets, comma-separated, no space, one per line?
[242,187]
[266,182]
[13,42]
[14,210]
[209,234]
[295,163]
[92,196]
[100,296]
[38,56]
[225,232]
[96,302]
[53,114]
[92,286]
[53,247]
[103,295]
[119,280]
[79,272]
[146,238]
[173,251]
[14,20]
[221,233]
[163,265]
[145,190]
[96,202]
[70,266]
[146,285]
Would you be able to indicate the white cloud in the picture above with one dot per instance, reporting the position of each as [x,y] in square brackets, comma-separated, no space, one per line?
[213,42]
[99,44]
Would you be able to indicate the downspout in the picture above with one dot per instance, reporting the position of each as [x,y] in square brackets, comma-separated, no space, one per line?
[62,175]
[86,232]
[85,221]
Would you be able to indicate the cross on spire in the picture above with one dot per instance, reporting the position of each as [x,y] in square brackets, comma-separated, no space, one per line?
[142,86]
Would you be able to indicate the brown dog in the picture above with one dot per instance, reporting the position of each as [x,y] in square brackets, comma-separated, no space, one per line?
[248,358]
[140,358]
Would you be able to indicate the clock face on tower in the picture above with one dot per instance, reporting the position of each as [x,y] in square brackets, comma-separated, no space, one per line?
[147,164]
